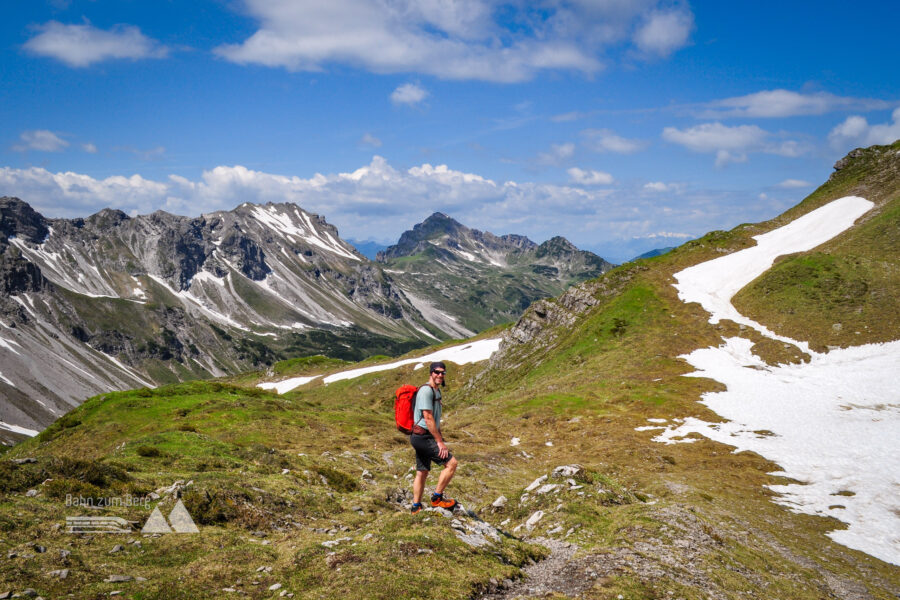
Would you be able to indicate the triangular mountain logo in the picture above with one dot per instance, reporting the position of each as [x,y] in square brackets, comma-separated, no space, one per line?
[180,519]
[156,523]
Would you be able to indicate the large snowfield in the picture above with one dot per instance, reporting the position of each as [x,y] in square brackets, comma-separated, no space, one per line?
[832,424]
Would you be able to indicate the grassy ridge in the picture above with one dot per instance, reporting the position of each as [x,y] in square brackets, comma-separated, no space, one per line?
[845,293]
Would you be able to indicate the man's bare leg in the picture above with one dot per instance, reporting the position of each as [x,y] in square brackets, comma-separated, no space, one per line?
[419,485]
[445,477]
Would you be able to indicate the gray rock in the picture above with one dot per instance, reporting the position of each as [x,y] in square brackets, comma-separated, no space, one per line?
[119,579]
[117,548]
[534,484]
[60,573]
[31,493]
[564,471]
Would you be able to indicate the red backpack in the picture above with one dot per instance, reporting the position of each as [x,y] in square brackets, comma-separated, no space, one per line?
[404,404]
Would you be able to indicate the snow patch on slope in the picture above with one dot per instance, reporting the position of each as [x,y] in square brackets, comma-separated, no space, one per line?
[461,355]
[17,429]
[284,224]
[831,423]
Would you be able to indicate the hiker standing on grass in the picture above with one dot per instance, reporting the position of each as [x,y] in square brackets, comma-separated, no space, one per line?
[428,442]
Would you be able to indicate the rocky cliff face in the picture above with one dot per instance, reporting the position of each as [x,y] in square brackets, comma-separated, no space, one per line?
[467,280]
[112,302]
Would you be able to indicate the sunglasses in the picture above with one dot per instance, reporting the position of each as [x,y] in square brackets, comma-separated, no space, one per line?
[439,372]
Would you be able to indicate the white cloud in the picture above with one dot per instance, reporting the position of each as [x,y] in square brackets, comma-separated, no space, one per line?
[380,201]
[409,93]
[659,186]
[40,140]
[89,148]
[589,177]
[664,32]
[558,153]
[710,137]
[793,184]
[664,234]
[370,141]
[732,144]
[606,140]
[856,131]
[83,45]
[466,39]
[785,103]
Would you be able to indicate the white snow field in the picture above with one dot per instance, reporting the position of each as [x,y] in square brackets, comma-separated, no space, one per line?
[832,424]
[461,355]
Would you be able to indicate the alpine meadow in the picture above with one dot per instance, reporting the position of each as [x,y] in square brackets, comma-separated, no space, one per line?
[449,300]
[307,491]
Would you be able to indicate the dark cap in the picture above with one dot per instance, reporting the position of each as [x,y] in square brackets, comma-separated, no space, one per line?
[437,365]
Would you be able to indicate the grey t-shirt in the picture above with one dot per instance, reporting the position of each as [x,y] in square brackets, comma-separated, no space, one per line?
[428,398]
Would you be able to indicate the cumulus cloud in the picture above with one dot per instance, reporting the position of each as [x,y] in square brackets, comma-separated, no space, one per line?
[378,200]
[666,235]
[663,32]
[856,131]
[83,45]
[467,39]
[732,144]
[659,186]
[785,103]
[409,93]
[89,148]
[606,140]
[589,177]
[41,140]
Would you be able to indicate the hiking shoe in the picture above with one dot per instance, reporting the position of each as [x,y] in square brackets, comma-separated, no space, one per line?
[416,508]
[439,501]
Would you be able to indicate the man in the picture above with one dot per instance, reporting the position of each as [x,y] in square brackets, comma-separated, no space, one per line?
[428,442]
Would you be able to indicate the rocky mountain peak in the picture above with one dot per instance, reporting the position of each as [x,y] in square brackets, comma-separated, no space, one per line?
[556,246]
[436,224]
[443,231]
[107,218]
[17,218]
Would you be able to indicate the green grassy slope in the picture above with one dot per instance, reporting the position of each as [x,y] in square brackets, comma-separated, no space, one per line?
[650,521]
[845,293]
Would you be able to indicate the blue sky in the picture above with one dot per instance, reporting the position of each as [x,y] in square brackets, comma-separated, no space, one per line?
[621,125]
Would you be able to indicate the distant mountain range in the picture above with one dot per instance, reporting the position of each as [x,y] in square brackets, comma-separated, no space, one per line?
[466,280]
[112,302]
[652,253]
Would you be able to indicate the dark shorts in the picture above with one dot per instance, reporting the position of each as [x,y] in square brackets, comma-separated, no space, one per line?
[427,451]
